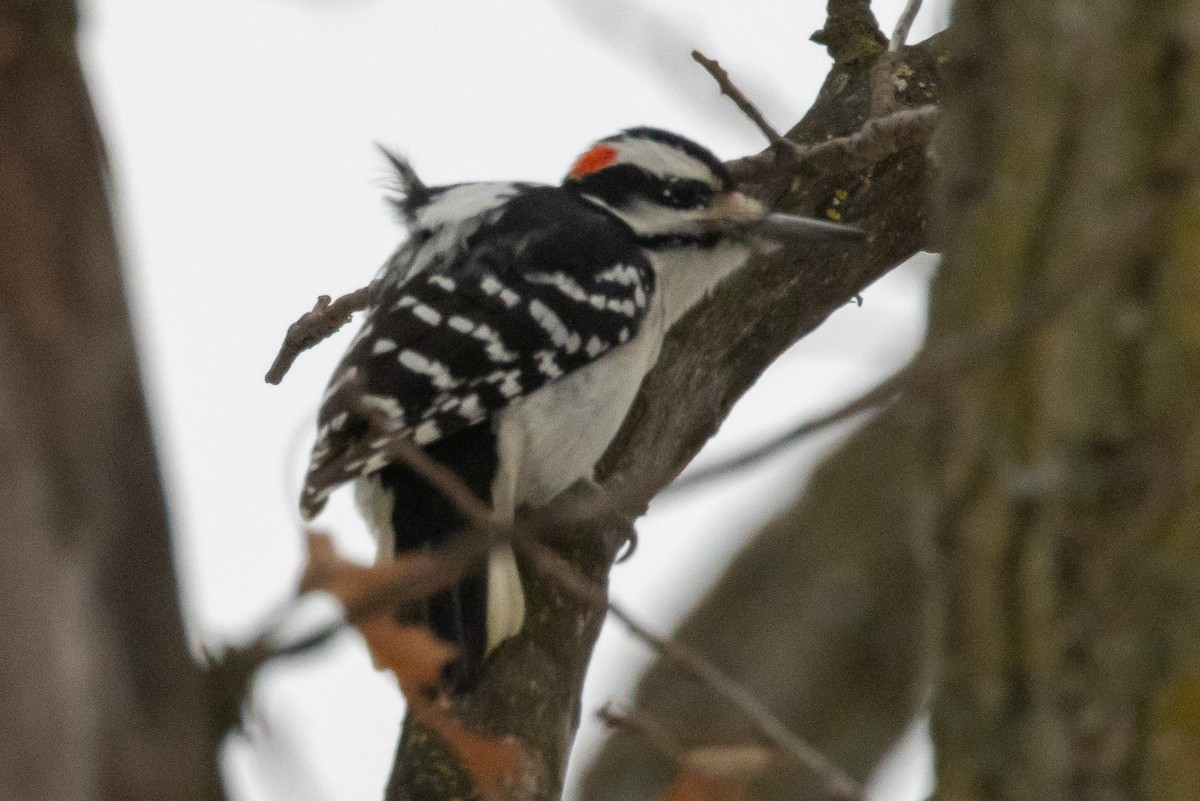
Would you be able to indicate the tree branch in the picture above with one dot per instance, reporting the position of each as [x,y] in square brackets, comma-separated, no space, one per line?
[326,319]
[443,568]
[837,783]
[904,25]
[730,90]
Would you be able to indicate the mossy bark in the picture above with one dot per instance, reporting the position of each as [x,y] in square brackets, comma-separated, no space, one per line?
[1068,526]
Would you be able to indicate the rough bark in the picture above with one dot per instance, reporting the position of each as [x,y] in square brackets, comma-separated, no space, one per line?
[100,696]
[531,687]
[821,614]
[1068,525]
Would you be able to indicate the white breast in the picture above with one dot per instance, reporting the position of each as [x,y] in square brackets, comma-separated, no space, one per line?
[552,438]
[687,276]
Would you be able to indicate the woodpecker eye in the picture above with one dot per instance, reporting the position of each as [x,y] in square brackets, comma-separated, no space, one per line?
[685,194]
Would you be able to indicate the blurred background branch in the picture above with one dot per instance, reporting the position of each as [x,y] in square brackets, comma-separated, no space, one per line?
[101,699]
[821,614]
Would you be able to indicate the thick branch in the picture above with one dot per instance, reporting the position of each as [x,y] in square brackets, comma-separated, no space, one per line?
[719,349]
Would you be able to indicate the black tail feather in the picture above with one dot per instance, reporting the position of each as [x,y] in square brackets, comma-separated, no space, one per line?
[423,519]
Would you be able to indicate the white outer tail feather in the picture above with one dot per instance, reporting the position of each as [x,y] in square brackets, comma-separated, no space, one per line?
[505,597]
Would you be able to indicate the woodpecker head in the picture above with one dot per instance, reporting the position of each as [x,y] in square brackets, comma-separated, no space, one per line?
[669,190]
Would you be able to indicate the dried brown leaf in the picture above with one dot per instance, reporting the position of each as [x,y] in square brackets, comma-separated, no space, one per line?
[349,583]
[416,657]
[412,653]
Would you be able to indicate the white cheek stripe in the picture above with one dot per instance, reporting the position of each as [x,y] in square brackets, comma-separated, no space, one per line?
[662,160]
[649,219]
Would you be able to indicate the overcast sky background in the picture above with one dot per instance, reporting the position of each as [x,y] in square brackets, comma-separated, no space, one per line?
[241,135]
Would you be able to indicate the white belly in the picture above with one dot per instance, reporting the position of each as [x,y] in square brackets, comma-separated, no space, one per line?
[551,439]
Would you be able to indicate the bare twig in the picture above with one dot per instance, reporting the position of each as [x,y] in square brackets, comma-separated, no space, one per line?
[730,90]
[737,763]
[229,673]
[838,783]
[878,395]
[437,571]
[875,141]
[653,732]
[313,327]
[400,448]
[903,25]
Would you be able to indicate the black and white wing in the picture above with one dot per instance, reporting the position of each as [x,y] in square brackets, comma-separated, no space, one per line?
[472,315]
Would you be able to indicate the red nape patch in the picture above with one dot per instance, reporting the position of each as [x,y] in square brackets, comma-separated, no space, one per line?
[597,158]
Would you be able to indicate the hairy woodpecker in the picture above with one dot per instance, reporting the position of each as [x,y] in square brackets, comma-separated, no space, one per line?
[509,334]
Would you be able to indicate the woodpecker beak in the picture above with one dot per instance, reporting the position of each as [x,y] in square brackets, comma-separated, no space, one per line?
[734,208]
[792,226]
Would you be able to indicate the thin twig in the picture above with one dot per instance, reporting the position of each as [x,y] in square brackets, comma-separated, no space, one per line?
[400,448]
[876,140]
[737,763]
[325,319]
[229,673]
[877,396]
[653,732]
[437,570]
[838,783]
[730,90]
[903,25]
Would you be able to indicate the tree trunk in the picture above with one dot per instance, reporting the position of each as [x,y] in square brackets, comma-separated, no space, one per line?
[1067,524]
[101,699]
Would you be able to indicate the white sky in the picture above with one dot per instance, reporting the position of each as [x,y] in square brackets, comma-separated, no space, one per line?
[241,133]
